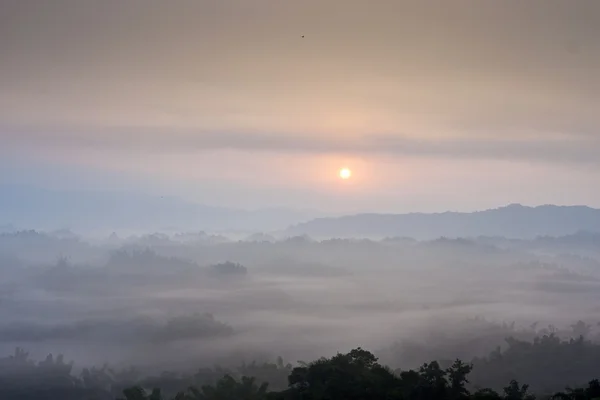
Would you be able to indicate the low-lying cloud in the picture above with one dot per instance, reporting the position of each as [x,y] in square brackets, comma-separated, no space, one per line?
[572,149]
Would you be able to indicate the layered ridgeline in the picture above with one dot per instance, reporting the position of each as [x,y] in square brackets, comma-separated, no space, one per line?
[513,221]
[26,207]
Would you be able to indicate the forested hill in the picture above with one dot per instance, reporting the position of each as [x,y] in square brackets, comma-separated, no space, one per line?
[513,221]
[546,368]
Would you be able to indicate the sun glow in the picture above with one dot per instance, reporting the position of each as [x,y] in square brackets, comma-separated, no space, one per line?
[345,173]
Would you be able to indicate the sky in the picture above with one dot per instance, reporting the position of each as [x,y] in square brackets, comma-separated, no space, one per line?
[434,105]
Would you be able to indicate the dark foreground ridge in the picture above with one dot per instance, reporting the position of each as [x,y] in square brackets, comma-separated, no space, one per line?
[547,362]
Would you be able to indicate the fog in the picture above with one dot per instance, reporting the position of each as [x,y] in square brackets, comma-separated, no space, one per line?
[179,302]
[345,200]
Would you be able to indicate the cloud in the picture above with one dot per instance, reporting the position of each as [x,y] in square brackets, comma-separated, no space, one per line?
[508,80]
[187,327]
[569,149]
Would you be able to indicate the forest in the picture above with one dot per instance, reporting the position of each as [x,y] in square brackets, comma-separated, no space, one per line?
[353,375]
[194,315]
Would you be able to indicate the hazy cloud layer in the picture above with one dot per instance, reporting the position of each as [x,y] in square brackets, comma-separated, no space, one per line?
[575,149]
[298,298]
[406,68]
[464,80]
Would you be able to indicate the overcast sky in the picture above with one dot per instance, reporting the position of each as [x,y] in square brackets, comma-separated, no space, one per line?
[434,105]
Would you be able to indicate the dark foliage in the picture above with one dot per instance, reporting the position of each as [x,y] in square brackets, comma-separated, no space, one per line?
[546,364]
[356,375]
[228,268]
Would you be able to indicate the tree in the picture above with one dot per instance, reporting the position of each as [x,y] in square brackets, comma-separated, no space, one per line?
[355,375]
[516,392]
[486,394]
[457,376]
[138,393]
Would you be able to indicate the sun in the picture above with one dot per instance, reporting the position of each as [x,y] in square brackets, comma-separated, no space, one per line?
[345,173]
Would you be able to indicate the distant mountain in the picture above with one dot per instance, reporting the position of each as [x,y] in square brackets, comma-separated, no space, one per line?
[8,228]
[36,208]
[513,221]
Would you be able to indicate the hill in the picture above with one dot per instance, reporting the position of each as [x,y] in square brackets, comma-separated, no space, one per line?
[37,208]
[513,221]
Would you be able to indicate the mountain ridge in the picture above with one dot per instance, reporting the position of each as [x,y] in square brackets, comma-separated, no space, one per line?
[30,207]
[511,221]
